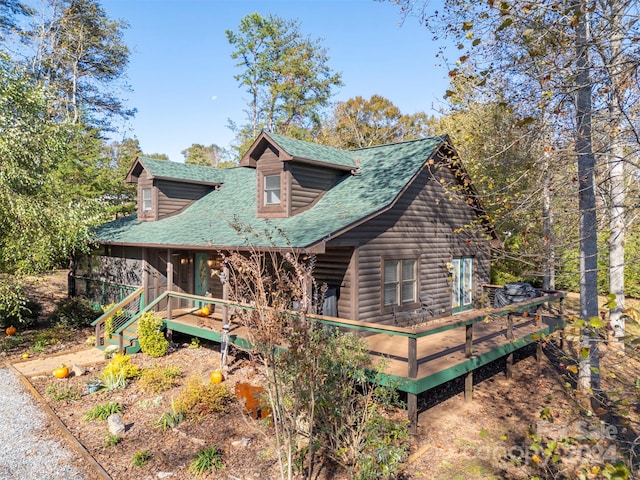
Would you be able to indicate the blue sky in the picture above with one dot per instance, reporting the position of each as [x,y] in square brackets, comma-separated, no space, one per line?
[182,73]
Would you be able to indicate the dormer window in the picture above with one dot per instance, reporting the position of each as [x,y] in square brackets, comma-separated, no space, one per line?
[272,189]
[146,200]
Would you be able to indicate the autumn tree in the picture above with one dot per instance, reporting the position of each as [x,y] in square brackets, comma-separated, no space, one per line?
[209,156]
[285,73]
[359,123]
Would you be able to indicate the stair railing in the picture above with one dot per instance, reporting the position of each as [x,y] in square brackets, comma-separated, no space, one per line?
[108,324]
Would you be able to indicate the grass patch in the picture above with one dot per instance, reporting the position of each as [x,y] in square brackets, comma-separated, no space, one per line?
[208,459]
[102,412]
[170,419]
[63,393]
[141,458]
[111,440]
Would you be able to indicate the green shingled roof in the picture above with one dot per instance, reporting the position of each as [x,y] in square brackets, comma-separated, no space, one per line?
[192,173]
[384,172]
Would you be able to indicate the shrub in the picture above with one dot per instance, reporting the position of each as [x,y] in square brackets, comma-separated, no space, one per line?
[15,308]
[157,379]
[199,399]
[152,341]
[207,459]
[75,313]
[121,364]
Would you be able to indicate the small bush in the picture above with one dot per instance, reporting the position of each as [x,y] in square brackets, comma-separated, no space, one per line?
[199,399]
[157,379]
[75,313]
[206,460]
[15,308]
[121,364]
[152,341]
[141,458]
[102,412]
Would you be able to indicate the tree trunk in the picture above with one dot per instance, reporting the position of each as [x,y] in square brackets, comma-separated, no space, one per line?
[549,273]
[616,177]
[586,200]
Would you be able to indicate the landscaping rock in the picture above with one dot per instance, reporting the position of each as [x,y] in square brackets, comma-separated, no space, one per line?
[78,370]
[116,425]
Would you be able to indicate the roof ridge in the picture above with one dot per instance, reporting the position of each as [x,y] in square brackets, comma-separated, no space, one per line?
[431,138]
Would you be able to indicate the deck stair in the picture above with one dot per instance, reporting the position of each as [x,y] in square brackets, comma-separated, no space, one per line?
[118,325]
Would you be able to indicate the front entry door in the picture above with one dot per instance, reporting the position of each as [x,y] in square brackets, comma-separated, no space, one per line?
[462,284]
[202,274]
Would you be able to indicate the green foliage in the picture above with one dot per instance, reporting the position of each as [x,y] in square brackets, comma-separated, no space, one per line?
[152,341]
[102,411]
[75,313]
[9,343]
[14,304]
[63,392]
[285,74]
[111,440]
[206,460]
[170,419]
[198,399]
[121,365]
[157,379]
[141,458]
[113,380]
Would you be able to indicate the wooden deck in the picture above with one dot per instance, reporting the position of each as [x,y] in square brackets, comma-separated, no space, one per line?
[442,350]
[414,359]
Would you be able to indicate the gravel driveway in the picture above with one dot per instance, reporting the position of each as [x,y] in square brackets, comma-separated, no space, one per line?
[26,452]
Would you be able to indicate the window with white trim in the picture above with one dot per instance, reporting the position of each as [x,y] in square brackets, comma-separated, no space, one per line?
[146,200]
[271,189]
[400,282]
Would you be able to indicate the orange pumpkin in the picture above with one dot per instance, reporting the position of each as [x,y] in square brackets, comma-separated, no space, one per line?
[204,311]
[216,377]
[11,331]
[61,372]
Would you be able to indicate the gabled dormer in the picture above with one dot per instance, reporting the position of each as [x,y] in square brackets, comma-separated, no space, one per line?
[292,175]
[166,188]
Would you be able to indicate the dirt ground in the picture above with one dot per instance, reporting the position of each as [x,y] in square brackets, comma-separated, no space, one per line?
[487,438]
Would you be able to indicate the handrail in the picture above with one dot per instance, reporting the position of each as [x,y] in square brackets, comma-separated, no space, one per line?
[128,299]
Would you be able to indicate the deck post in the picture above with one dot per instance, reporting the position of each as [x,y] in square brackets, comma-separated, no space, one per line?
[169,281]
[225,293]
[510,336]
[412,398]
[468,353]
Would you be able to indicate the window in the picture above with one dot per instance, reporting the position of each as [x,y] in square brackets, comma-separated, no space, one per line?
[146,199]
[462,284]
[400,282]
[272,189]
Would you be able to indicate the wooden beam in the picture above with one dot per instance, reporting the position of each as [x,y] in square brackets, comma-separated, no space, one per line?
[468,352]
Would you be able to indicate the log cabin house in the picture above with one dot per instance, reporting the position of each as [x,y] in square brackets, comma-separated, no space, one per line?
[396,230]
